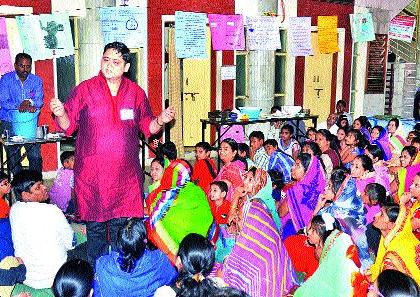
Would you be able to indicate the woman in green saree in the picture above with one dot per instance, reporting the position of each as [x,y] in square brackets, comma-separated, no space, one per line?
[338,260]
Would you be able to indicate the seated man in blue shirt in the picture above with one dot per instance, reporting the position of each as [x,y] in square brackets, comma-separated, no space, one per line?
[20,90]
[279,161]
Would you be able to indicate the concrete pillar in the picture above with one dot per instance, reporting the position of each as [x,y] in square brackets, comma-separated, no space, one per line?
[90,39]
[261,69]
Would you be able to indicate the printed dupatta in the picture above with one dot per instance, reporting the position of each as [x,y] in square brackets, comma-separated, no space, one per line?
[383,143]
[302,197]
[176,208]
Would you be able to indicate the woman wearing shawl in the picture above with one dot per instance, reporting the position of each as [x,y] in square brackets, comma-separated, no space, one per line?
[362,124]
[375,153]
[329,148]
[176,208]
[231,172]
[258,263]
[398,248]
[396,141]
[341,201]
[379,137]
[414,205]
[338,260]
[363,173]
[404,176]
[302,195]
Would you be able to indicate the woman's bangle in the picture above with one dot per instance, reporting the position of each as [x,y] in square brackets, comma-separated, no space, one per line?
[157,122]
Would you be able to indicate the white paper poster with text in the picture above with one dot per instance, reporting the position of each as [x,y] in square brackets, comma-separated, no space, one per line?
[300,36]
[262,33]
[57,38]
[125,24]
[402,28]
[190,35]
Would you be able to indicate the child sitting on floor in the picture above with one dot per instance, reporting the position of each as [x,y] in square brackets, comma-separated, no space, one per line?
[204,170]
[218,204]
[61,191]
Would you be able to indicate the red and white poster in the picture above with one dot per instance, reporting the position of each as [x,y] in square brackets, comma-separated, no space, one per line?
[402,28]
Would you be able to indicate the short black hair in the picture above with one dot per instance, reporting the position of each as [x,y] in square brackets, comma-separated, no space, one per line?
[243,147]
[65,156]
[375,151]
[168,150]
[415,140]
[271,142]
[342,102]
[288,127]
[257,134]
[221,184]
[376,192]
[205,146]
[394,283]
[22,56]
[120,48]
[396,121]
[229,292]
[24,180]
[392,210]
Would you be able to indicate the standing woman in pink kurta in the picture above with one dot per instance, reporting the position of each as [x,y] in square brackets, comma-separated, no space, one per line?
[108,111]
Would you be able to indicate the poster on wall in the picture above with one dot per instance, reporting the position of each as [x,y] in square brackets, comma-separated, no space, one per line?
[300,36]
[362,29]
[262,33]
[401,27]
[190,35]
[327,34]
[13,37]
[228,72]
[32,37]
[138,3]
[6,64]
[124,24]
[227,32]
[57,38]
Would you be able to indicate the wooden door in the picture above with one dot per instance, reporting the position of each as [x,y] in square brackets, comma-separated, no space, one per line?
[318,80]
[196,91]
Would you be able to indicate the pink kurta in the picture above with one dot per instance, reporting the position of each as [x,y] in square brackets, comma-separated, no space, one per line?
[107,172]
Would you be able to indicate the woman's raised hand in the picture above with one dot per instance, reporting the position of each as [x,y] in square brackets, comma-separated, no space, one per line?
[57,107]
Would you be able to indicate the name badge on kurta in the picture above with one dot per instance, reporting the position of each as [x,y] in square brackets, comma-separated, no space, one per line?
[126,114]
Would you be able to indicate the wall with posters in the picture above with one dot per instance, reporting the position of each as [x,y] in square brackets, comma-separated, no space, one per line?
[155,11]
[314,8]
[45,70]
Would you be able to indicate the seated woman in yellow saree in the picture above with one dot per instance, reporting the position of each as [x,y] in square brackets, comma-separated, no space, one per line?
[399,249]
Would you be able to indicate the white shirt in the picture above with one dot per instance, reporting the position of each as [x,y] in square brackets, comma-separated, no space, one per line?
[41,237]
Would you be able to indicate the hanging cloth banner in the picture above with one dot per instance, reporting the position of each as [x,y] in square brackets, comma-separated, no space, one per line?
[300,36]
[402,28]
[58,41]
[6,64]
[328,34]
[124,24]
[262,33]
[227,32]
[362,28]
[32,37]
[190,35]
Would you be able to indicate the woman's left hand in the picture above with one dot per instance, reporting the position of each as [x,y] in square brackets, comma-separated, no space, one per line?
[168,114]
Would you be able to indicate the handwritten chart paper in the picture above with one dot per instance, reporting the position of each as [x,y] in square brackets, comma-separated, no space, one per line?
[227,32]
[125,24]
[190,35]
[300,36]
[57,38]
[362,29]
[6,64]
[327,34]
[262,33]
[32,37]
[402,28]
[15,44]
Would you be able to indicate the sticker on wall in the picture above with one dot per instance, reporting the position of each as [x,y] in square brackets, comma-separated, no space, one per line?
[328,34]
[227,32]
[300,36]
[190,35]
[262,33]
[362,28]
